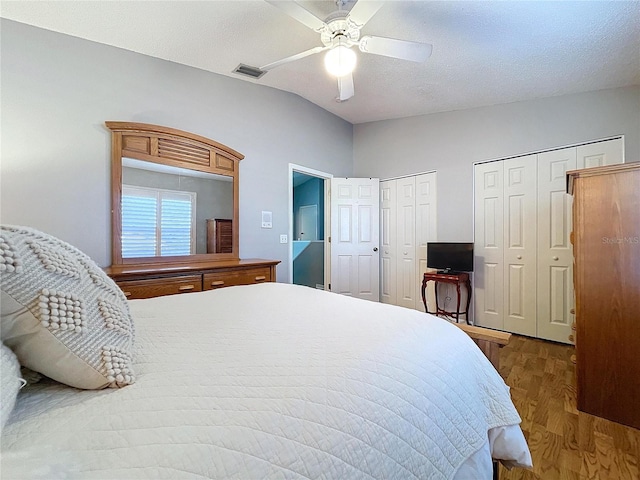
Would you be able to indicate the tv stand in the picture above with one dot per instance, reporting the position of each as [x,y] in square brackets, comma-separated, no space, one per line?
[456,278]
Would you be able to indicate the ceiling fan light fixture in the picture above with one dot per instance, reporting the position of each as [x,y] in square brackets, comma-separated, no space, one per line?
[340,61]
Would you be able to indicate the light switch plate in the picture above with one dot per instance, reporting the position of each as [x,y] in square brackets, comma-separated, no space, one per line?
[267,219]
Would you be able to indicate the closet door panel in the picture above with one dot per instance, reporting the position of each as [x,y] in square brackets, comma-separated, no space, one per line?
[388,242]
[520,245]
[425,230]
[488,249]
[598,154]
[408,290]
[555,255]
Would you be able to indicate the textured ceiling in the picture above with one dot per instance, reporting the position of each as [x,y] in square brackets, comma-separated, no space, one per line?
[484,52]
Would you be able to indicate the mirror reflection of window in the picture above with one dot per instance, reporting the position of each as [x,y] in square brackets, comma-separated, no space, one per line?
[213,199]
[157,222]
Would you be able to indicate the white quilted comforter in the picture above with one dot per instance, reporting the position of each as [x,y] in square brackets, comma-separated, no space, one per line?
[275,381]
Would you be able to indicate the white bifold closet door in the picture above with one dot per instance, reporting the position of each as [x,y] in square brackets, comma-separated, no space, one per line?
[520,244]
[555,254]
[407,224]
[488,248]
[523,277]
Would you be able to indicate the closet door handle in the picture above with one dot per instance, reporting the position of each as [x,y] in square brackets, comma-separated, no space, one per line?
[555,258]
[375,249]
[519,257]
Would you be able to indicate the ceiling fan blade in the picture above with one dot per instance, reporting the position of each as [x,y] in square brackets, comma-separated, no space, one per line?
[362,12]
[391,47]
[292,58]
[298,12]
[345,87]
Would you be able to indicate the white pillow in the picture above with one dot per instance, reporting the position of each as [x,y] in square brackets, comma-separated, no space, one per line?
[61,314]
[10,382]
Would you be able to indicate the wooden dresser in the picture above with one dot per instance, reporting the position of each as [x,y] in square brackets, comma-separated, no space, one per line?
[606,234]
[145,281]
[170,168]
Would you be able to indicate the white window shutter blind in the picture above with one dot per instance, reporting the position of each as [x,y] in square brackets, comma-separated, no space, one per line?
[139,232]
[157,222]
[176,223]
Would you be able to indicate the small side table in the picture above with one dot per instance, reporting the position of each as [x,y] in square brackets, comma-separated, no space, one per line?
[457,279]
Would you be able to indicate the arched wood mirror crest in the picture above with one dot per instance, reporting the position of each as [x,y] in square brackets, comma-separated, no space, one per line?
[170,170]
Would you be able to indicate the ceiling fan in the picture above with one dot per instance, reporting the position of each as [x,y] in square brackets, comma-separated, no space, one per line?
[338,33]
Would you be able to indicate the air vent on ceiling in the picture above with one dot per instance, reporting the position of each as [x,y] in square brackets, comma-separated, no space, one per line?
[248,70]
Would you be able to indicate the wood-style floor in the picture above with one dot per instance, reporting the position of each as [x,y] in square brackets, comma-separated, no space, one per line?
[565,444]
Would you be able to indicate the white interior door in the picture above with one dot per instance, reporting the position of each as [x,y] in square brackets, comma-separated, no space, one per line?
[388,242]
[355,227]
[426,231]
[555,254]
[520,218]
[308,222]
[488,268]
[597,154]
[406,242]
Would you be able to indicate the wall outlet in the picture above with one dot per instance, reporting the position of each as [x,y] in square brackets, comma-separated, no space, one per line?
[283,238]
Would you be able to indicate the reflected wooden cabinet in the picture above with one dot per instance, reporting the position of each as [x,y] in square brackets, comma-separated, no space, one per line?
[606,236]
[219,235]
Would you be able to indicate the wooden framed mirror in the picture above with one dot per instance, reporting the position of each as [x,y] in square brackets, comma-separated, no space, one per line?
[167,188]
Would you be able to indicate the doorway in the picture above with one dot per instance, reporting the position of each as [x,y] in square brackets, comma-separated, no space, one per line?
[309,226]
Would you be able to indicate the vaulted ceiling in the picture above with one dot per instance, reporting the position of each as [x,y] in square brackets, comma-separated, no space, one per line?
[484,52]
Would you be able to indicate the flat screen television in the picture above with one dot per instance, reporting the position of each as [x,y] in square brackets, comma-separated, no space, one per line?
[450,257]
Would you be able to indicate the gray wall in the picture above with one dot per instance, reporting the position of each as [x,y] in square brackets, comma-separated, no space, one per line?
[57,92]
[308,267]
[451,142]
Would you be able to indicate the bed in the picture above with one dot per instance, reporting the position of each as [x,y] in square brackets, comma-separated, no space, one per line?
[274,381]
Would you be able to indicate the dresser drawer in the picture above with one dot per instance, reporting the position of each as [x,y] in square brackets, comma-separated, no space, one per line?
[236,277]
[154,287]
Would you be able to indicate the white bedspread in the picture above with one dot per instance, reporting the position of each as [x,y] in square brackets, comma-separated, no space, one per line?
[278,381]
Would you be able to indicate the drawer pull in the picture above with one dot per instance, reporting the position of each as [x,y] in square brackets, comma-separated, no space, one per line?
[260,278]
[184,288]
[127,294]
[217,283]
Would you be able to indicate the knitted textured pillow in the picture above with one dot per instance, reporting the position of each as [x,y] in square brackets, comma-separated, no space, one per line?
[61,314]
[10,382]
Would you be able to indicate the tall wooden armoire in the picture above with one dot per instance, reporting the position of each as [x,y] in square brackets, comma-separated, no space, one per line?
[219,235]
[606,236]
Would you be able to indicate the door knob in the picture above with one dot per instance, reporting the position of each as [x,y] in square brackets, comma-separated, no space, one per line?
[519,257]
[555,258]
[375,249]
